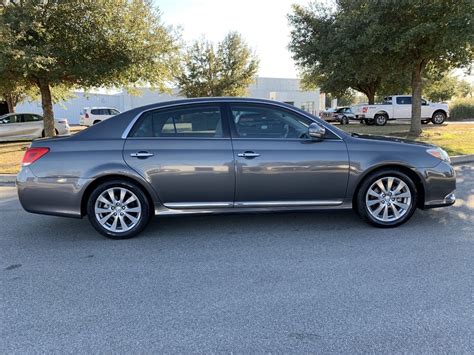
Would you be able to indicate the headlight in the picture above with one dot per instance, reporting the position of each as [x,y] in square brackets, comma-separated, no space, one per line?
[439,153]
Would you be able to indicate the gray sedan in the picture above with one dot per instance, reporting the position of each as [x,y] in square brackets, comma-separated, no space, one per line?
[228,155]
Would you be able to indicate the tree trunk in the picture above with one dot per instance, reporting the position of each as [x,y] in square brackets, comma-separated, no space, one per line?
[371,97]
[47,104]
[415,128]
[10,103]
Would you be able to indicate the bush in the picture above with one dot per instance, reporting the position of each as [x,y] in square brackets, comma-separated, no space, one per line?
[461,109]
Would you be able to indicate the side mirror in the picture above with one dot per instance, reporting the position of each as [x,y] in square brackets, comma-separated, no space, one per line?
[315,131]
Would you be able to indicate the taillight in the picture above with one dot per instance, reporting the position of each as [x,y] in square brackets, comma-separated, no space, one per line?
[365,109]
[86,115]
[33,154]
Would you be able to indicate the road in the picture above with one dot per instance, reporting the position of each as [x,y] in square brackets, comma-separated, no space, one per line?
[285,283]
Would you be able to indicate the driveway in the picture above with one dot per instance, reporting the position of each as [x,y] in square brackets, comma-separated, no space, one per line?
[285,283]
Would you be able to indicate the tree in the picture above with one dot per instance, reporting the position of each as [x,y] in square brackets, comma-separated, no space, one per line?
[419,33]
[439,87]
[334,52]
[85,44]
[464,89]
[225,71]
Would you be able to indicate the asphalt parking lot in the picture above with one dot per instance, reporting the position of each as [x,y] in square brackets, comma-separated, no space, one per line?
[285,283]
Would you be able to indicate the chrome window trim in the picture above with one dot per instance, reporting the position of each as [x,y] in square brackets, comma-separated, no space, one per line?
[127,130]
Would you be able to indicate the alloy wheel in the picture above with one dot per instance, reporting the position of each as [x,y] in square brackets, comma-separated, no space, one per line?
[438,118]
[388,199]
[118,209]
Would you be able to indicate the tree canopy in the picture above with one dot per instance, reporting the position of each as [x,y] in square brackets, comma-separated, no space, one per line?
[370,45]
[225,70]
[85,44]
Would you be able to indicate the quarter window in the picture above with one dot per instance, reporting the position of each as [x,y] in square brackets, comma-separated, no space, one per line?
[198,122]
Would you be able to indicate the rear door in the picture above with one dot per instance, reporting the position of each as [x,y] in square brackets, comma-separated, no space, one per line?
[402,108]
[185,152]
[32,125]
[278,165]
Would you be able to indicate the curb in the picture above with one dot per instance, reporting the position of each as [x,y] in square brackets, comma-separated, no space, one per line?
[7,178]
[455,160]
[461,159]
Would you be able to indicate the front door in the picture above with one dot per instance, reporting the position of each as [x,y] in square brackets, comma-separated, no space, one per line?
[186,154]
[277,164]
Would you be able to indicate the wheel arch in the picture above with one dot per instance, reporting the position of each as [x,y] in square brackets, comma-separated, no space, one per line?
[439,110]
[382,112]
[100,180]
[417,180]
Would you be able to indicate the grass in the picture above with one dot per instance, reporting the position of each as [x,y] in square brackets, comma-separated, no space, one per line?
[455,138]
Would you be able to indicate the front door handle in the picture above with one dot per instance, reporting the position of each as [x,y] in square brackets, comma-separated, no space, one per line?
[141,155]
[248,155]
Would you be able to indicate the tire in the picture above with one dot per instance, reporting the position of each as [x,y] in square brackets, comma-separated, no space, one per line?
[344,120]
[380,119]
[425,121]
[369,122]
[438,117]
[372,208]
[55,131]
[124,220]
[96,121]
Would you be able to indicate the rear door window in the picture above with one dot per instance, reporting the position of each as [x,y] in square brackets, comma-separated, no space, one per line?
[404,100]
[196,122]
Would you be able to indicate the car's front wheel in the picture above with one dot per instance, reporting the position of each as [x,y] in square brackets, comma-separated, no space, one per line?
[118,209]
[387,198]
[438,117]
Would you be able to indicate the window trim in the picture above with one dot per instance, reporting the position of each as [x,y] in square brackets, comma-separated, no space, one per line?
[219,105]
[226,118]
[235,135]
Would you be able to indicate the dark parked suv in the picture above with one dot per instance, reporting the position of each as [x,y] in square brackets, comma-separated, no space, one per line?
[219,155]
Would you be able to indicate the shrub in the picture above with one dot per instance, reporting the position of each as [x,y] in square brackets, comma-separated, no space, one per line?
[461,109]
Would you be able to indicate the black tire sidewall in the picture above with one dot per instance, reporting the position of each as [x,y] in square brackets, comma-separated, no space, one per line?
[145,216]
[362,208]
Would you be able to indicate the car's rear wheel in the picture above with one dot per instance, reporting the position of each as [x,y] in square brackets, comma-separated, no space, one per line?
[387,198]
[344,120]
[438,117]
[381,119]
[118,209]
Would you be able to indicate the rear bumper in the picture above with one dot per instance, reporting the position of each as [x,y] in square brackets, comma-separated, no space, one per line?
[440,185]
[58,196]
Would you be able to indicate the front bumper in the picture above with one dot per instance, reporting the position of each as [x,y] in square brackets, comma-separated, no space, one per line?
[439,185]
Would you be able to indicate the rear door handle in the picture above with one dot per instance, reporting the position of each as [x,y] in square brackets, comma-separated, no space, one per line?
[248,155]
[141,155]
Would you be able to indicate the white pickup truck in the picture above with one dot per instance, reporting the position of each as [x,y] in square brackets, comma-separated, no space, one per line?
[399,107]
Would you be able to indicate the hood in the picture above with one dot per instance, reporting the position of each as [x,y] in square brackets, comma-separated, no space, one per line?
[391,139]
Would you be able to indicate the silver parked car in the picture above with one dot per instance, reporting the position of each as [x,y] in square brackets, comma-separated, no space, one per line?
[26,126]
[221,155]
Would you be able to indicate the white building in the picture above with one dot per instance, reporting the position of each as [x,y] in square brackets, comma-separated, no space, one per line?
[284,90]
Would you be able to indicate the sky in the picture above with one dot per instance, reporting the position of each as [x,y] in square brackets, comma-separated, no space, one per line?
[262,23]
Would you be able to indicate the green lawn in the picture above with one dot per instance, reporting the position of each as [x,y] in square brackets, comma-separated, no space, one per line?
[456,138]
